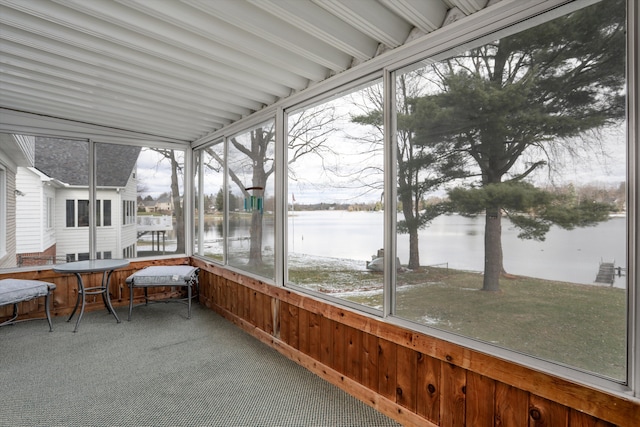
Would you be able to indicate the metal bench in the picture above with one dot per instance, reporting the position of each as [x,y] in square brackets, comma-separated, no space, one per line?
[165,275]
[15,291]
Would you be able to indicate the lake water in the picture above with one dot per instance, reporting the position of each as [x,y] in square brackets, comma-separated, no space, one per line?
[565,255]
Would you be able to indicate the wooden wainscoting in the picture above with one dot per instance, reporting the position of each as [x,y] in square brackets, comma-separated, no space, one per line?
[412,377]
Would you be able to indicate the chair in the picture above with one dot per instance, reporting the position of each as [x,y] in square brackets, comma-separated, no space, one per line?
[15,291]
[165,275]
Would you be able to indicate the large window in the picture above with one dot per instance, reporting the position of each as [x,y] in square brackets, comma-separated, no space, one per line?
[482,196]
[511,191]
[335,184]
[147,185]
[251,228]
[209,202]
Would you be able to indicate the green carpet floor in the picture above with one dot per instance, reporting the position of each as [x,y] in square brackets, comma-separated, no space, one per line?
[161,369]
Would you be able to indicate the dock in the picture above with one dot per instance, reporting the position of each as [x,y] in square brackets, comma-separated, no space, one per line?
[606,273]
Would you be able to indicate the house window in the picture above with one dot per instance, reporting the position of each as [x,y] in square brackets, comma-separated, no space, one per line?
[83,213]
[128,212]
[49,213]
[106,219]
[71,213]
[129,251]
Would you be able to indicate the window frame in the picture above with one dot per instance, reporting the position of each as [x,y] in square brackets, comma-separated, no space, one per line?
[455,35]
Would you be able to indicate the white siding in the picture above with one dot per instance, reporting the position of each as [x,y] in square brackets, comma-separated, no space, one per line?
[30,220]
[71,240]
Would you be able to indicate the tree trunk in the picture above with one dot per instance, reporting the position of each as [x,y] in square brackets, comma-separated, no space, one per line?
[255,250]
[492,250]
[414,251]
[178,209]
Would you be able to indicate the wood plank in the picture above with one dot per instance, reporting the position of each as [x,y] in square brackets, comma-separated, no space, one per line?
[452,399]
[314,336]
[326,339]
[294,339]
[285,322]
[406,368]
[353,355]
[267,314]
[258,308]
[238,301]
[339,347]
[253,306]
[511,406]
[480,404]
[428,387]
[580,419]
[303,331]
[545,413]
[387,369]
[370,361]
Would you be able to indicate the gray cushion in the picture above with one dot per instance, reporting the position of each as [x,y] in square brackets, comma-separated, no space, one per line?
[169,275]
[17,290]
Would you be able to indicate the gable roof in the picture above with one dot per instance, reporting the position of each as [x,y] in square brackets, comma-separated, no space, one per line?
[68,161]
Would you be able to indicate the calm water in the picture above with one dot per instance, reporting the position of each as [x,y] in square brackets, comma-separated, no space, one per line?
[571,256]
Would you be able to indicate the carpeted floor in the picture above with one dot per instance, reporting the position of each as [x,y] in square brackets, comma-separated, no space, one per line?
[161,369]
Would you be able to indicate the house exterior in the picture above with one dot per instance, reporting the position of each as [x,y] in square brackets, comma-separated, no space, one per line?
[52,221]
[16,151]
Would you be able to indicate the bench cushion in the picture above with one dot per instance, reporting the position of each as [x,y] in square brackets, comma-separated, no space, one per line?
[168,275]
[16,290]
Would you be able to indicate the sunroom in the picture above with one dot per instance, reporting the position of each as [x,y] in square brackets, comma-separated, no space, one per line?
[431,204]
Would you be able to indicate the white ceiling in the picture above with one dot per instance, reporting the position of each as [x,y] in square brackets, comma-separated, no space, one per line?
[178,70]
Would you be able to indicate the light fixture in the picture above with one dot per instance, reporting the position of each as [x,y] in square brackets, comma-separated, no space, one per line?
[19,193]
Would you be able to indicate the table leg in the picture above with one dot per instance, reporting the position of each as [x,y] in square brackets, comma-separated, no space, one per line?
[105,296]
[80,292]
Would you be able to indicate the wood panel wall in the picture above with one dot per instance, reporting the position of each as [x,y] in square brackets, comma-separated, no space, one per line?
[412,377]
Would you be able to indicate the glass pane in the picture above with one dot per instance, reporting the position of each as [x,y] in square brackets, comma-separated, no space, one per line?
[511,190]
[147,184]
[250,200]
[51,216]
[210,202]
[335,180]
[116,185]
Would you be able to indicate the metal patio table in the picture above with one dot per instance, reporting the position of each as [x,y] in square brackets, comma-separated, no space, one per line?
[107,267]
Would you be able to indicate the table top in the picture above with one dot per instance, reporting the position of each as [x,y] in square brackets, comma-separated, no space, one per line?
[92,265]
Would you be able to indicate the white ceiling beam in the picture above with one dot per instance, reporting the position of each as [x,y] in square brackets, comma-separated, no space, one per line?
[102,111]
[371,18]
[216,32]
[319,23]
[468,6]
[426,15]
[44,106]
[74,72]
[123,104]
[169,59]
[278,31]
[32,124]
[152,29]
[193,82]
